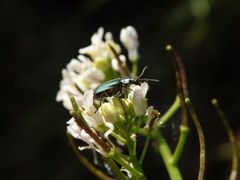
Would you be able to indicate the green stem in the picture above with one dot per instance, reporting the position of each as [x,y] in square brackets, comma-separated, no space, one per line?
[145,148]
[134,152]
[119,138]
[118,174]
[234,170]
[181,143]
[123,156]
[170,112]
[135,68]
[85,162]
[132,145]
[166,154]
[75,106]
[137,165]
[134,160]
[125,164]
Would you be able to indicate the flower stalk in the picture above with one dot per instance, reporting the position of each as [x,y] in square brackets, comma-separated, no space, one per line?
[119,175]
[181,143]
[144,151]
[169,113]
[125,164]
[166,154]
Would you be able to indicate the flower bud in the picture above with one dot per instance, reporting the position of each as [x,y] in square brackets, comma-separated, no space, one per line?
[112,111]
[129,39]
[139,103]
[137,97]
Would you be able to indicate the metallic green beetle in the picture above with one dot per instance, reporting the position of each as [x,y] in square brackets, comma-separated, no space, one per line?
[116,87]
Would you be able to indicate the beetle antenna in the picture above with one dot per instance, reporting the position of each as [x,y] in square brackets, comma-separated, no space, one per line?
[142,72]
[147,79]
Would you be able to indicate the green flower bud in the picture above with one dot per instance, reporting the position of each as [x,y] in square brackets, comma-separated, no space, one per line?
[112,111]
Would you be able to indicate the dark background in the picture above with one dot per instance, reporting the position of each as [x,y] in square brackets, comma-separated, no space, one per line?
[39,38]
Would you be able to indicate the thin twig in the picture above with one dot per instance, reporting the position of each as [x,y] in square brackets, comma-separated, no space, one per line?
[231,137]
[144,151]
[85,162]
[201,139]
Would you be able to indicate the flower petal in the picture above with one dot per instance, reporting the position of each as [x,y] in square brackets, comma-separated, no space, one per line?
[144,88]
[139,103]
[88,100]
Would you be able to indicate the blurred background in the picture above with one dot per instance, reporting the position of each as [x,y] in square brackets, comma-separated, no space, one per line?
[40,37]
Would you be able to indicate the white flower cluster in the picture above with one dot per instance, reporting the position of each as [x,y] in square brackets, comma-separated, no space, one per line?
[100,61]
[112,112]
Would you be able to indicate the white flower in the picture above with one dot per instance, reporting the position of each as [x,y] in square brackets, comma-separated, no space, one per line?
[83,74]
[109,112]
[92,117]
[129,39]
[137,97]
[79,76]
[81,134]
[99,49]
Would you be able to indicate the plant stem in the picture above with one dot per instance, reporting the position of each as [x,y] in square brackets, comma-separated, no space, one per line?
[85,162]
[234,170]
[119,138]
[145,148]
[170,112]
[125,164]
[135,68]
[118,174]
[201,139]
[166,154]
[123,156]
[181,142]
[137,165]
[75,107]
[132,145]
[134,152]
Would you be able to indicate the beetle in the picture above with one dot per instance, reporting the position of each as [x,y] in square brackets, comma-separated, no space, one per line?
[116,87]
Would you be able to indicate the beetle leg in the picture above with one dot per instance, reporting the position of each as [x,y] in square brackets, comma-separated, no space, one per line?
[101,100]
[98,106]
[118,94]
[127,87]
